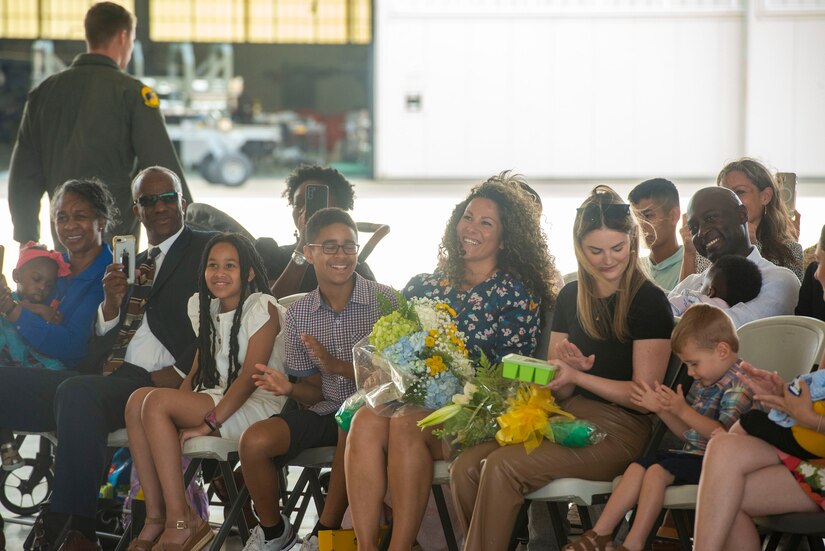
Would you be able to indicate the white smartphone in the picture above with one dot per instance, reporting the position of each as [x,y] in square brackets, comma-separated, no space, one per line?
[786,182]
[123,247]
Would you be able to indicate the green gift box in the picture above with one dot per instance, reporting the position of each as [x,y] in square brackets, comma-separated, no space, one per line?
[530,370]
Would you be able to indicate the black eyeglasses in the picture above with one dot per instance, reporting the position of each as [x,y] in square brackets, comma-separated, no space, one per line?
[331,247]
[612,214]
[150,200]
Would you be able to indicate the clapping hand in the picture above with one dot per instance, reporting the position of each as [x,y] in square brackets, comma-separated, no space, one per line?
[761,382]
[645,396]
[272,381]
[570,354]
[670,401]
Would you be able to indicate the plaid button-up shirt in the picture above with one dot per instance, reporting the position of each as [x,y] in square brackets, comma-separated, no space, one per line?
[336,331]
[725,401]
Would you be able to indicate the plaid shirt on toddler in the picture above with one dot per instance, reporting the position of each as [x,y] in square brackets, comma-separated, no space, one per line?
[725,401]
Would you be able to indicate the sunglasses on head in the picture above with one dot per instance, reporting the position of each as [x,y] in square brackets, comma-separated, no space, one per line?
[150,200]
[612,214]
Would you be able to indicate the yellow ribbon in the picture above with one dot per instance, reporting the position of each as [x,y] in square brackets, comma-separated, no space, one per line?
[527,417]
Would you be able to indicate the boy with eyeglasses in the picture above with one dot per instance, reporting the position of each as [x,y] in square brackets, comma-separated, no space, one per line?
[321,329]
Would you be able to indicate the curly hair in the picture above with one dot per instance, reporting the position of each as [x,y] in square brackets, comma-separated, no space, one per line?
[524,254]
[595,213]
[775,229]
[339,186]
[207,375]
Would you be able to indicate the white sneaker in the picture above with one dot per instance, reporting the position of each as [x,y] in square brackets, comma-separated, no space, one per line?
[310,544]
[256,541]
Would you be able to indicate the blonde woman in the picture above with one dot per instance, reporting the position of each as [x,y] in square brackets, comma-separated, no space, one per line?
[611,329]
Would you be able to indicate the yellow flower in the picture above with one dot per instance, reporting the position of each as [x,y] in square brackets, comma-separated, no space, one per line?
[433,333]
[446,307]
[435,365]
[429,342]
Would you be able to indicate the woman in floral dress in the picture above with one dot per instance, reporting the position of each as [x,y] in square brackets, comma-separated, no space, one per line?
[495,271]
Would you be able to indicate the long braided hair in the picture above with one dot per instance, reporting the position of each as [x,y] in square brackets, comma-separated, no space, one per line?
[207,375]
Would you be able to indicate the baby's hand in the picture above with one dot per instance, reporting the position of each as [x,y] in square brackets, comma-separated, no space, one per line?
[643,395]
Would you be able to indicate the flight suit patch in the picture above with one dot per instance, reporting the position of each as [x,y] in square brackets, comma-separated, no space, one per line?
[150,98]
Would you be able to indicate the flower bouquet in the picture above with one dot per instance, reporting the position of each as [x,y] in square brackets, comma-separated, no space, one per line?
[492,407]
[414,355]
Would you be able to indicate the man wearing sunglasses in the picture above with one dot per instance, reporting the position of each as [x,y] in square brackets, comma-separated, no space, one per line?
[91,120]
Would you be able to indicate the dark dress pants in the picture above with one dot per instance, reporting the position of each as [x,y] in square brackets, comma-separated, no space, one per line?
[83,410]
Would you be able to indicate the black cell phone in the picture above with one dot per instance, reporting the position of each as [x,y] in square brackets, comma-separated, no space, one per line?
[317,198]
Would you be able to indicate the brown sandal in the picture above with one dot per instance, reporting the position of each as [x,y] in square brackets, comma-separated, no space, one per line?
[199,534]
[590,541]
[146,545]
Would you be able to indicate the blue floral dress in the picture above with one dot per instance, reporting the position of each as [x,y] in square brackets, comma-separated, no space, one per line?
[498,316]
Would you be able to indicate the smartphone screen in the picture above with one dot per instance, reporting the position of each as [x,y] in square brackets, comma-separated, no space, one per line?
[786,182]
[123,247]
[317,198]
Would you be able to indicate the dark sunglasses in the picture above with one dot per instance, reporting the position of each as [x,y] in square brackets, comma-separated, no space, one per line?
[150,200]
[612,214]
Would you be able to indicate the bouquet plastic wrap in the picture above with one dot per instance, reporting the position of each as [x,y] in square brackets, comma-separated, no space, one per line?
[414,355]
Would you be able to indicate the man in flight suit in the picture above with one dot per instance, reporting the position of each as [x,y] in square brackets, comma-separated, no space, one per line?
[91,120]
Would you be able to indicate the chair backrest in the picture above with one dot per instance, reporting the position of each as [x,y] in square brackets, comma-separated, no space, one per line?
[287,300]
[378,231]
[544,334]
[789,345]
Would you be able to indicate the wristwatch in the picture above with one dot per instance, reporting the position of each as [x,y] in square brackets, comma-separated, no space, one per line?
[298,258]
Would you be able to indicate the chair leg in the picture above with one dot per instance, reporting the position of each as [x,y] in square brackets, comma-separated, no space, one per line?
[444,515]
[235,515]
[772,543]
[584,516]
[558,514]
[384,544]
[681,518]
[815,543]
[521,518]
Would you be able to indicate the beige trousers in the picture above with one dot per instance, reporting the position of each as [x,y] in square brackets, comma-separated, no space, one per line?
[489,482]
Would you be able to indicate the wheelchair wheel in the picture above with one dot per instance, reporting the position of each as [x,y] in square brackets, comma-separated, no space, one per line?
[23,490]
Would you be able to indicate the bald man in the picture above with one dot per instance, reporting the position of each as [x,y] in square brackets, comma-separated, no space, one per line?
[718,222]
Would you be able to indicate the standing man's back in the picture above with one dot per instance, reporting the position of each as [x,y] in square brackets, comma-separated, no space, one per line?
[91,120]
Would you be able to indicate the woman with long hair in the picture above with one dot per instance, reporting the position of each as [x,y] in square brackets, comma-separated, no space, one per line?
[611,328]
[495,271]
[238,323]
[770,225]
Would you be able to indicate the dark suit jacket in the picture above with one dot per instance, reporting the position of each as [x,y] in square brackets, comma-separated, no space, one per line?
[166,307]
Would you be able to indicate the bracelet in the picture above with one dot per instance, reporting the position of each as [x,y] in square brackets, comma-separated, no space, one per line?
[211,421]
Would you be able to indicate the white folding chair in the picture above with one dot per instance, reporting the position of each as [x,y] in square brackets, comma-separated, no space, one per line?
[289,299]
[789,345]
[309,485]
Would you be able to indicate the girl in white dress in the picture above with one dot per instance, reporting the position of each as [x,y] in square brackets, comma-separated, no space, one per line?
[238,323]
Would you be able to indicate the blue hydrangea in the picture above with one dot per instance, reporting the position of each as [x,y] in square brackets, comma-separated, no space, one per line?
[402,355]
[440,390]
